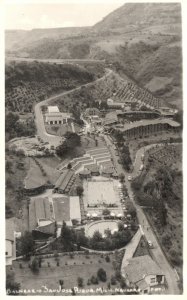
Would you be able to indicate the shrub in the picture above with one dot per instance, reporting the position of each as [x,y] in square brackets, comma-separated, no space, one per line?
[122,283]
[94,280]
[107,258]
[61,282]
[34,265]
[80,281]
[101,274]
[113,280]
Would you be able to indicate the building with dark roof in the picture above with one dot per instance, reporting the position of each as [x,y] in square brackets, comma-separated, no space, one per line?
[85,173]
[148,127]
[61,185]
[94,169]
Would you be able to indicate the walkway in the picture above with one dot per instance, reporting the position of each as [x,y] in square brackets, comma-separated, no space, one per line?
[130,250]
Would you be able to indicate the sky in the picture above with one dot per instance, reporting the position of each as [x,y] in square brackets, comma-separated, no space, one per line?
[29,16]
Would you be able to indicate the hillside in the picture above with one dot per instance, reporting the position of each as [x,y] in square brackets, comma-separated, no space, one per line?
[141,14]
[27,83]
[140,40]
[17,39]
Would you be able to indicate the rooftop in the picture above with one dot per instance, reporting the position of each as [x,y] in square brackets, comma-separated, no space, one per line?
[61,206]
[64,179]
[141,266]
[53,109]
[149,122]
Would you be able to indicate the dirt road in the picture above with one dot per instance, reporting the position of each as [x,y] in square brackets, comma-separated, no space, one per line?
[41,131]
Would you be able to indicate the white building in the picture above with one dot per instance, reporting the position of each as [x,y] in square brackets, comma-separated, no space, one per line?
[113,104]
[10,244]
[55,117]
[143,272]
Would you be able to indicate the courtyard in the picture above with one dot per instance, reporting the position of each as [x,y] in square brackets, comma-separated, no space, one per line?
[101,193]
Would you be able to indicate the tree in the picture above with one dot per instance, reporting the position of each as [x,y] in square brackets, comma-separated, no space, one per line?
[113,280]
[106,212]
[61,282]
[121,177]
[80,281]
[8,166]
[120,226]
[35,265]
[131,210]
[12,287]
[94,280]
[101,274]
[97,237]
[26,244]
[80,190]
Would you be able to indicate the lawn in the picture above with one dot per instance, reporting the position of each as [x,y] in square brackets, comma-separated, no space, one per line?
[142,248]
[49,165]
[69,269]
[34,176]
[15,173]
[59,130]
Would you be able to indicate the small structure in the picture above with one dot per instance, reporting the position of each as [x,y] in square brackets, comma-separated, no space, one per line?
[10,241]
[113,104]
[55,117]
[92,112]
[95,119]
[94,169]
[115,175]
[107,172]
[85,174]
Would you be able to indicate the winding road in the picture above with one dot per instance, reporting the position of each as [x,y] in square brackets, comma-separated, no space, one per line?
[41,131]
[149,233]
[147,230]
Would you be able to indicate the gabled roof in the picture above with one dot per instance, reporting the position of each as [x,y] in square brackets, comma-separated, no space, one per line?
[140,267]
[149,122]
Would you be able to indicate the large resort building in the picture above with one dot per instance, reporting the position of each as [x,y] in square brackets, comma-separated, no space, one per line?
[55,117]
[148,127]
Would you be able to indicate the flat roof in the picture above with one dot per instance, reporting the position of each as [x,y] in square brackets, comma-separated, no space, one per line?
[149,122]
[75,211]
[61,207]
[53,109]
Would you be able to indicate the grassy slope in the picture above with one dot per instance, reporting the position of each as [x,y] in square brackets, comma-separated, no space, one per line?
[69,270]
[15,177]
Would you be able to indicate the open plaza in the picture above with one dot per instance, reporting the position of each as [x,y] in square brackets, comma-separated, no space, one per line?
[100,193]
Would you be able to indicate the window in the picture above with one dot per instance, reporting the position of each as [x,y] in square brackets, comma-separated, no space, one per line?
[6,253]
[153,280]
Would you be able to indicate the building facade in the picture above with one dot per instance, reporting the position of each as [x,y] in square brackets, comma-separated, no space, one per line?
[55,117]
[149,127]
